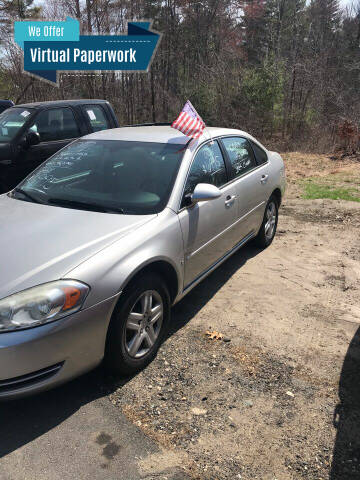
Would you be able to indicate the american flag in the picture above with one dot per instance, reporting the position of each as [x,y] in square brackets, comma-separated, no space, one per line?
[189,122]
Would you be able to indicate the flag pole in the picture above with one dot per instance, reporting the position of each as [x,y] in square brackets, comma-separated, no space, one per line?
[211,139]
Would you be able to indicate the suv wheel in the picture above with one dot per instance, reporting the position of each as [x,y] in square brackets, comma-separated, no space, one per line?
[138,325]
[268,227]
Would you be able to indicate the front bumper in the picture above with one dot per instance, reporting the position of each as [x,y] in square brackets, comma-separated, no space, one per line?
[58,351]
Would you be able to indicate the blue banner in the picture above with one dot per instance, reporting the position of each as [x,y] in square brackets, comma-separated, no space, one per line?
[46,31]
[50,47]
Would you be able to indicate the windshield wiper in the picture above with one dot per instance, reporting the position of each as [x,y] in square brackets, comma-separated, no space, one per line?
[27,195]
[63,202]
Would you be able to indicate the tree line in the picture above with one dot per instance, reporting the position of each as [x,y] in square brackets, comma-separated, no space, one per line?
[287,71]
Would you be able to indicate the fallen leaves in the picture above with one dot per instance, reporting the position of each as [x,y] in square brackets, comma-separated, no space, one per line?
[214,335]
[249,361]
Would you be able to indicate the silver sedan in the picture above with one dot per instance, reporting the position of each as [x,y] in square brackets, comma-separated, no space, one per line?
[100,241]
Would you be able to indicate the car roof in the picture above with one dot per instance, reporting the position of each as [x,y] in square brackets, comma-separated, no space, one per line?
[60,103]
[158,134]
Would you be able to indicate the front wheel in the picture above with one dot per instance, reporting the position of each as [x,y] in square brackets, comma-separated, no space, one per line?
[268,227]
[138,325]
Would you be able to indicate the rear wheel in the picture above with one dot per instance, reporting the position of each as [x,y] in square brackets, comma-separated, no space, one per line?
[268,227]
[138,325]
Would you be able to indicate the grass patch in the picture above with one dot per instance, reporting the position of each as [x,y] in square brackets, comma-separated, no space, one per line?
[321,188]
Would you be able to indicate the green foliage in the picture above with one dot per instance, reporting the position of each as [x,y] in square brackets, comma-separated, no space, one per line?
[262,86]
[4,84]
[314,189]
[260,96]
[20,9]
[205,98]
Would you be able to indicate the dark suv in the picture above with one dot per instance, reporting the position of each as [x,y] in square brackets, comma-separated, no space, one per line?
[32,132]
[4,104]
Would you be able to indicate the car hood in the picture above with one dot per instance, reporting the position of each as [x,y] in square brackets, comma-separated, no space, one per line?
[41,243]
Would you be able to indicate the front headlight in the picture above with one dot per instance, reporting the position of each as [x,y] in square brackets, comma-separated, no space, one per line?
[42,304]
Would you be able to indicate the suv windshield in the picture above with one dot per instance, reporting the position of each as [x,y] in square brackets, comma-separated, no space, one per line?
[106,175]
[11,121]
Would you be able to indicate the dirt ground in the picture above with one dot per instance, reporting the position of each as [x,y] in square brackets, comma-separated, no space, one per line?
[277,395]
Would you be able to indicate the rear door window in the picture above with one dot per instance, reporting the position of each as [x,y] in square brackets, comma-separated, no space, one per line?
[240,154]
[97,118]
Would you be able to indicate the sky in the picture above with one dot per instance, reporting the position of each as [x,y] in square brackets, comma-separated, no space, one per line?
[346,3]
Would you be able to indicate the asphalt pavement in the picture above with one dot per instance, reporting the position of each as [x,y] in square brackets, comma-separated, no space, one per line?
[73,432]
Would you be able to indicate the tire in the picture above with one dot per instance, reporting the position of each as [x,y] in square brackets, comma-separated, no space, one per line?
[264,237]
[128,344]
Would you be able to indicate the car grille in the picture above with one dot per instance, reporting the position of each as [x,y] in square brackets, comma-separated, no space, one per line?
[29,379]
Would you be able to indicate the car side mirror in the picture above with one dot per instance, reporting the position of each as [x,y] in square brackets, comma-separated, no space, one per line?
[32,138]
[29,139]
[204,192]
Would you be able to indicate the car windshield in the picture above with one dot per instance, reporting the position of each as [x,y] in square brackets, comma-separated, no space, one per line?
[106,175]
[11,121]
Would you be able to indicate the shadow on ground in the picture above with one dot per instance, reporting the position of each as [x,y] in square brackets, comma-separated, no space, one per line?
[194,301]
[346,455]
[24,420]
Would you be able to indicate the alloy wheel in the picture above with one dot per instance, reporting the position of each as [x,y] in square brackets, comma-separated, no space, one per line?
[143,324]
[270,224]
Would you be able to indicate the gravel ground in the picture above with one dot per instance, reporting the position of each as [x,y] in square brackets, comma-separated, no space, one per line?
[275,394]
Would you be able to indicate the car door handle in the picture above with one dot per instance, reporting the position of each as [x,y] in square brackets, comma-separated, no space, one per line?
[230,199]
[264,178]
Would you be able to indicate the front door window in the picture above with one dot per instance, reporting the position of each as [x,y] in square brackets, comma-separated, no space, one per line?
[56,124]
